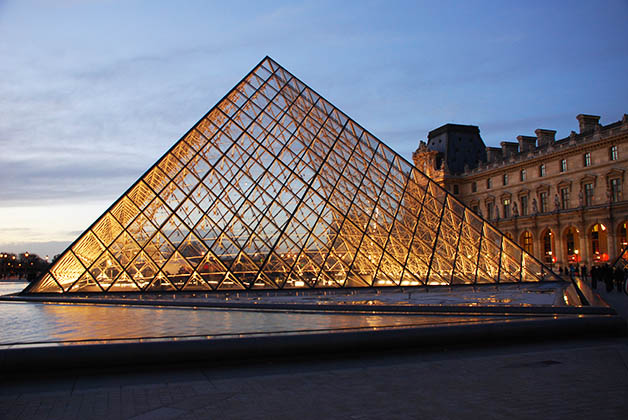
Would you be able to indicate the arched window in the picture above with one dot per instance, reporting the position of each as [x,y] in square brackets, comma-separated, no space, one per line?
[547,238]
[571,241]
[599,247]
[526,242]
[622,236]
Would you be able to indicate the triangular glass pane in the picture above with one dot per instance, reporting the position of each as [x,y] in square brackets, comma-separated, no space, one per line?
[142,270]
[212,270]
[125,211]
[124,283]
[160,284]
[88,248]
[230,283]
[67,269]
[85,283]
[105,270]
[178,270]
[196,283]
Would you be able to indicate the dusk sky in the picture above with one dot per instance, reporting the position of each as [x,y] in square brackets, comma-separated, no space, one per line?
[93,92]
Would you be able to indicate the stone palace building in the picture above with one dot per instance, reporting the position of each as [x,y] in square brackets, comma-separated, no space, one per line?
[561,199]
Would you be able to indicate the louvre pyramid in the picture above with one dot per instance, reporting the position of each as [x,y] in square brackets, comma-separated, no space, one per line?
[276,188]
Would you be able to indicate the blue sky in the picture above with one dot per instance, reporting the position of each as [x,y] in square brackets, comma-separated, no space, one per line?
[92,92]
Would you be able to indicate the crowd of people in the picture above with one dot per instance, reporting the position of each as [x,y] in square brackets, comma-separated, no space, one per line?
[613,278]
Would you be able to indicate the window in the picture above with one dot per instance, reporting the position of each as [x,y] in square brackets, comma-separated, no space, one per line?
[543,199]
[474,186]
[524,205]
[599,245]
[489,211]
[548,242]
[615,190]
[587,159]
[505,179]
[522,175]
[613,153]
[542,170]
[563,165]
[570,242]
[489,183]
[588,194]
[456,189]
[564,198]
[475,209]
[506,207]
[526,242]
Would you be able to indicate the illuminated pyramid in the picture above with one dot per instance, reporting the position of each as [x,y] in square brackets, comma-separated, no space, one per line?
[276,188]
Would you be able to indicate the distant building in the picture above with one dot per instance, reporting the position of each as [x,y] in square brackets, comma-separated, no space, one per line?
[561,200]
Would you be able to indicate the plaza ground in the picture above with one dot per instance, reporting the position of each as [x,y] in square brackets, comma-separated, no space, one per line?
[577,378]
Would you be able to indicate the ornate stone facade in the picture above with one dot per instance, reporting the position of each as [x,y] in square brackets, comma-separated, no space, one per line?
[562,200]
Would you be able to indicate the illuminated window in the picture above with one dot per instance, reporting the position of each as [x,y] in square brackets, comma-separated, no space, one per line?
[489,183]
[526,242]
[571,240]
[542,170]
[548,246]
[505,179]
[622,236]
[563,165]
[522,175]
[506,203]
[598,242]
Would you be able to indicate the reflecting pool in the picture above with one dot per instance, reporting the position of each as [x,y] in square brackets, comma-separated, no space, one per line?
[48,323]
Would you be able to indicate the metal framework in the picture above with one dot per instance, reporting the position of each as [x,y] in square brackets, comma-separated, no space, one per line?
[276,188]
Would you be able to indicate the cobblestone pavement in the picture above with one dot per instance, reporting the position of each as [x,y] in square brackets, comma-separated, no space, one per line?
[577,380]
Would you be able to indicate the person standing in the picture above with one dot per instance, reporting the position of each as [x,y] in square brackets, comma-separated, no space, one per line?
[594,274]
[608,277]
[619,279]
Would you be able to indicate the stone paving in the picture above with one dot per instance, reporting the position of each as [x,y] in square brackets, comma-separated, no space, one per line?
[579,379]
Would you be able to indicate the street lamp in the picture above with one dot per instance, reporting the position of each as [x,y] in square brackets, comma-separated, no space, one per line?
[551,260]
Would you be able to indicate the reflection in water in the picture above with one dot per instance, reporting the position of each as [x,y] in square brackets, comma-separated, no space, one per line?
[26,322]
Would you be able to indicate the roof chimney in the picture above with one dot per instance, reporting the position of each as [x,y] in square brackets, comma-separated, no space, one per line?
[588,123]
[526,143]
[493,154]
[509,148]
[545,137]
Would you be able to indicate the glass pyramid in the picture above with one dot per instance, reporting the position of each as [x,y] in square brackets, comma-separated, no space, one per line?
[275,188]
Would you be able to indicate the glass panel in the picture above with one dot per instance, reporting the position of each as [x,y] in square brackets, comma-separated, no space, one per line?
[67,270]
[88,248]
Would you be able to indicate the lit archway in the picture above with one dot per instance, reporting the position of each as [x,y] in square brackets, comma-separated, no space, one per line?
[599,244]
[622,236]
[571,244]
[548,246]
[526,242]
